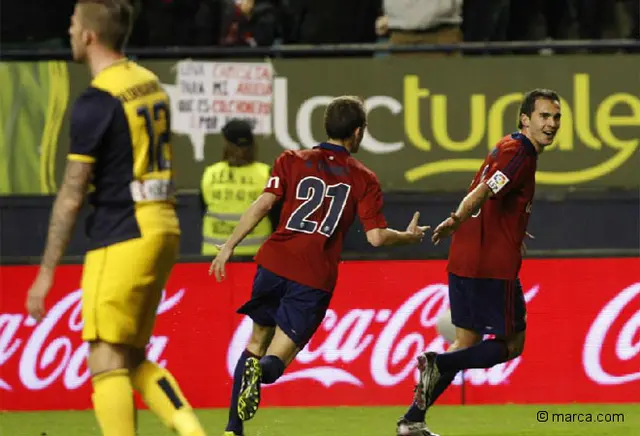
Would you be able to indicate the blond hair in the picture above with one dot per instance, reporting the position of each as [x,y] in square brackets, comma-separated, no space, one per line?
[111,20]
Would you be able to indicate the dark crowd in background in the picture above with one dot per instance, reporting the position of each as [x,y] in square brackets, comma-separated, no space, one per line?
[162,23]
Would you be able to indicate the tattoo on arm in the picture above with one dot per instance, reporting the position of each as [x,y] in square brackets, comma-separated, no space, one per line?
[65,211]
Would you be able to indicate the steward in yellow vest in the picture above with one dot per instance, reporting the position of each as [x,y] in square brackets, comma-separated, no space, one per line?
[229,187]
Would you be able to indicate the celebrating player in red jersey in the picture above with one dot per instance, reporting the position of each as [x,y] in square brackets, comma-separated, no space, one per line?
[323,190]
[485,257]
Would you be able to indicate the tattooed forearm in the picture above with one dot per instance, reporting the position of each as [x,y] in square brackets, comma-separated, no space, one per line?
[65,211]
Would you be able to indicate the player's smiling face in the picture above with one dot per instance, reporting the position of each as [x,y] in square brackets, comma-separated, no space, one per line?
[544,122]
[77,36]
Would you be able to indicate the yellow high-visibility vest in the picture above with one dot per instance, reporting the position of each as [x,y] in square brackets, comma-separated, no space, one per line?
[228,191]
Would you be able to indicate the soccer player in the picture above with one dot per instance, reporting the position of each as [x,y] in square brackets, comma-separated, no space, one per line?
[323,189]
[488,230]
[120,143]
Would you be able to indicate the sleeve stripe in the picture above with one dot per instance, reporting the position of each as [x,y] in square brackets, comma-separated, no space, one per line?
[515,163]
[81,158]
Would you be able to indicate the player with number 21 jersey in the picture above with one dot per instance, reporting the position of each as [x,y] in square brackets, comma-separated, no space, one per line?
[323,191]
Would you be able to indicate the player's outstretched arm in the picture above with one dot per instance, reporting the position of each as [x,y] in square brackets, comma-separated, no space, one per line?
[413,234]
[469,205]
[250,218]
[63,218]
[472,202]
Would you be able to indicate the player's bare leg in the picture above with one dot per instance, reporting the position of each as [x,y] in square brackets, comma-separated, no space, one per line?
[112,390]
[280,353]
[413,422]
[256,348]
[261,337]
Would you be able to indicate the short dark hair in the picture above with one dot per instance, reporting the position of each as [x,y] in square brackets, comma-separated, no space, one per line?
[343,116]
[529,102]
[238,156]
[112,20]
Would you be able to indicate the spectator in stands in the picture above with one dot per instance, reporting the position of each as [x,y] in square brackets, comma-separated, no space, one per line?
[418,22]
[540,19]
[333,21]
[486,20]
[169,22]
[238,22]
[35,23]
[633,11]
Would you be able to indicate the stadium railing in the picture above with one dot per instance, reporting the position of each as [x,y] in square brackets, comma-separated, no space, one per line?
[338,50]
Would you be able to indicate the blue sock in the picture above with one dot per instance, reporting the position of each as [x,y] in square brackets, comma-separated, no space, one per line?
[235,423]
[483,355]
[415,414]
[272,369]
[441,385]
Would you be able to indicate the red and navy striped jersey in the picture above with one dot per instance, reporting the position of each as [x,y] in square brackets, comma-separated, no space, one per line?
[487,245]
[322,190]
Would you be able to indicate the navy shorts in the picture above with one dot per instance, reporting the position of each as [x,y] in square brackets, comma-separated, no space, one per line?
[487,306]
[297,309]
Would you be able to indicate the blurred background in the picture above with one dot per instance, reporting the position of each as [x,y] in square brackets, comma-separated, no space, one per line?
[442,82]
[165,23]
[472,58]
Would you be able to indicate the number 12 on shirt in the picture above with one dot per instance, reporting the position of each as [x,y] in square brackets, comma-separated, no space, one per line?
[314,190]
[158,130]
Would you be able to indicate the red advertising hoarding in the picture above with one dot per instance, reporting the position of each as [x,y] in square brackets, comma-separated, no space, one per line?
[583,337]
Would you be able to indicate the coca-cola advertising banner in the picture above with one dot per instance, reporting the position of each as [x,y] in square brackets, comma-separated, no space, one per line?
[583,337]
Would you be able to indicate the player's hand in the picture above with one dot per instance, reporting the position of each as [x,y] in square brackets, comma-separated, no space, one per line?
[523,248]
[445,229]
[217,265]
[416,231]
[37,294]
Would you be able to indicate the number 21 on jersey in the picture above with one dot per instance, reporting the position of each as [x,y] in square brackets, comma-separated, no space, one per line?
[313,191]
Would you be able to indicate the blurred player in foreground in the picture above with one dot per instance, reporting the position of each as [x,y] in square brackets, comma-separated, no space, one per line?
[120,137]
[323,190]
[485,258]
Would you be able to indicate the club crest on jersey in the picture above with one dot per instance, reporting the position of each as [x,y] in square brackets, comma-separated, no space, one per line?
[497,181]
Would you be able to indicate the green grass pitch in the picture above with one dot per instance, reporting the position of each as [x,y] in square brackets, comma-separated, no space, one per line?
[503,420]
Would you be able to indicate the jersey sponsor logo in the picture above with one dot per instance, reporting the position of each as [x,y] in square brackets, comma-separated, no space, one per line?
[497,181]
[151,190]
[273,182]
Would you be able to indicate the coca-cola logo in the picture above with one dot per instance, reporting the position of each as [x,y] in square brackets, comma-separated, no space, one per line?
[611,332]
[389,339]
[54,349]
